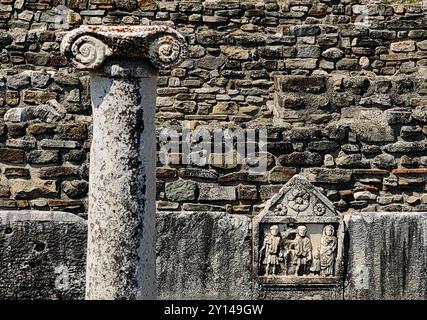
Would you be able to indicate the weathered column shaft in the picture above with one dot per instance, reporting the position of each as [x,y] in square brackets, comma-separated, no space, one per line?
[121,257]
[122,190]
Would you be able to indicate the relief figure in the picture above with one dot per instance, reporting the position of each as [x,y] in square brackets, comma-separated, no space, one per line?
[315,265]
[272,250]
[328,247]
[302,254]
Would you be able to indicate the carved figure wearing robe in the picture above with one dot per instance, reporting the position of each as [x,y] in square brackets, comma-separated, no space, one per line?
[302,254]
[272,249]
[328,247]
[315,264]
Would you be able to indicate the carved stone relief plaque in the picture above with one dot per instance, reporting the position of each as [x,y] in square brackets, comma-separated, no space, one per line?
[298,238]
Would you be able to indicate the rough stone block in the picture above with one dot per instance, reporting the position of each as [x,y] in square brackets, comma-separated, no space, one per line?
[214,192]
[181,190]
[302,84]
[386,256]
[11,155]
[42,255]
[323,175]
[203,255]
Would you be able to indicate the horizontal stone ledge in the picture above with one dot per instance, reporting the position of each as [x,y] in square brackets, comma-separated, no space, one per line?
[10,216]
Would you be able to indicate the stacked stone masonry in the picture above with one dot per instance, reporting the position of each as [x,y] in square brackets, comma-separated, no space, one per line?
[342,91]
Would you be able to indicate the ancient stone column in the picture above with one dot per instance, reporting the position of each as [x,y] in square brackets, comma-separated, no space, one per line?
[123,64]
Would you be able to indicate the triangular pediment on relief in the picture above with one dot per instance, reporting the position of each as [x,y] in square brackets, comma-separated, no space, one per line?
[298,197]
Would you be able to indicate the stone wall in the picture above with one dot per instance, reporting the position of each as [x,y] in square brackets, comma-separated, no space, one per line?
[344,102]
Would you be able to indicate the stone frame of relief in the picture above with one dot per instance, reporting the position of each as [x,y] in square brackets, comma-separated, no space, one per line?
[298,240]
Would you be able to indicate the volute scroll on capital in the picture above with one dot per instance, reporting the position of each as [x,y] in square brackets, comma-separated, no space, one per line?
[88,47]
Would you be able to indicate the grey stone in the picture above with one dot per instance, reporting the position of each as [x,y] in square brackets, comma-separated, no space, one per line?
[382,34]
[352,161]
[384,161]
[305,30]
[386,256]
[211,62]
[5,39]
[301,63]
[304,133]
[126,5]
[404,146]
[347,64]
[198,173]
[382,100]
[332,53]
[410,131]
[216,248]
[304,158]
[52,111]
[420,113]
[38,59]
[58,144]
[398,116]
[213,192]
[26,143]
[364,195]
[18,81]
[42,265]
[308,51]
[358,85]
[75,188]
[373,132]
[38,79]
[322,145]
[65,77]
[181,190]
[323,175]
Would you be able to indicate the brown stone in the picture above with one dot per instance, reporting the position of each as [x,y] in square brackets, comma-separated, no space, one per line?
[247,192]
[16,172]
[165,172]
[72,131]
[410,171]
[77,4]
[7,204]
[40,128]
[56,172]
[281,174]
[16,130]
[11,155]
[38,97]
[4,190]
[32,189]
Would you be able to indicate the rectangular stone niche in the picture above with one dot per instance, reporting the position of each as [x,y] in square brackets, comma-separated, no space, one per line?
[286,273]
